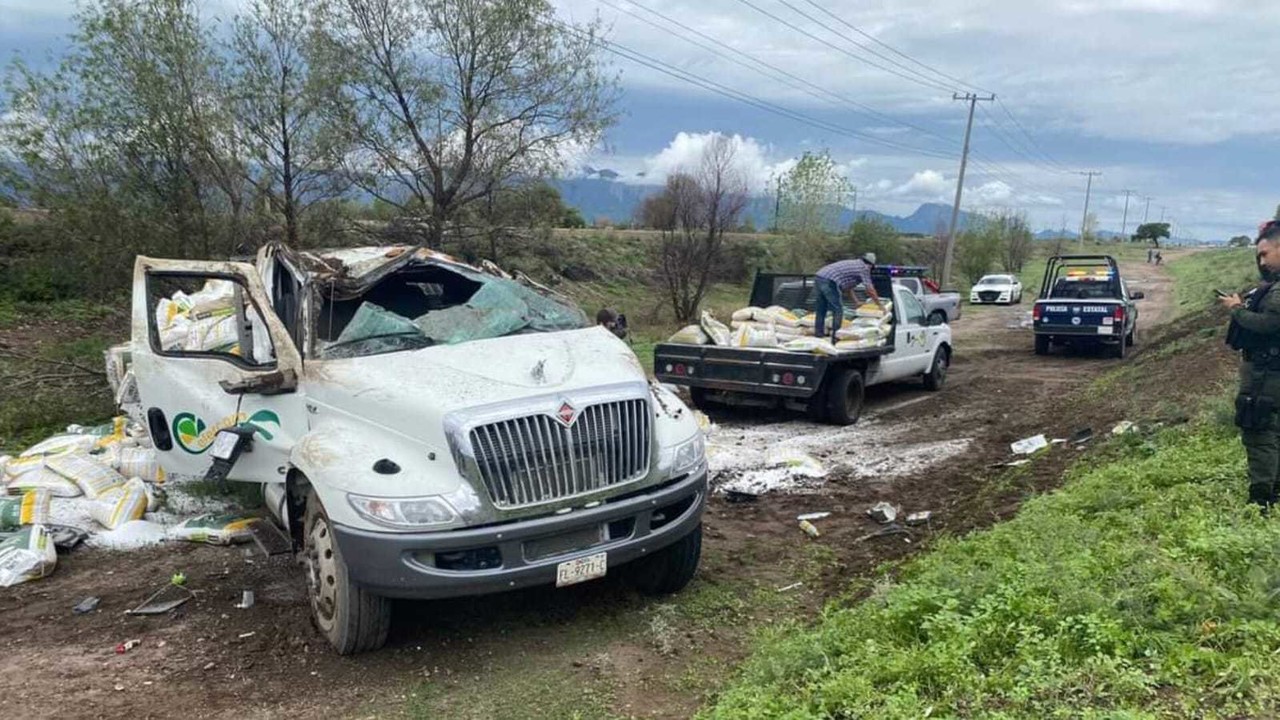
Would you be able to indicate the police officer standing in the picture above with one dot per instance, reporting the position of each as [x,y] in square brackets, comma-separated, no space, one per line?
[1255,331]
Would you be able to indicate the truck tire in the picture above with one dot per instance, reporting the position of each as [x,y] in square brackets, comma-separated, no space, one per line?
[1131,336]
[1042,344]
[937,375]
[671,568]
[816,410]
[1120,349]
[352,619]
[845,396]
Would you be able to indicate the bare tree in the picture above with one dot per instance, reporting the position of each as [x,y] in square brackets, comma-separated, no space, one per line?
[1018,241]
[277,110]
[693,212]
[442,101]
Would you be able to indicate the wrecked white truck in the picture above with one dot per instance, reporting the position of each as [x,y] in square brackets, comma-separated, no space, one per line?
[422,428]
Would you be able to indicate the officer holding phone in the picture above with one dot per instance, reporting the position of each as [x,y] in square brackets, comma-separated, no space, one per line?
[1255,332]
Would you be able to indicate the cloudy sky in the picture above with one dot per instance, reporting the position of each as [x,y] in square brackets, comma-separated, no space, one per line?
[1178,100]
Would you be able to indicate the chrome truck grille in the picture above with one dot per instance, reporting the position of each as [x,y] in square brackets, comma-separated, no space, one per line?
[537,458]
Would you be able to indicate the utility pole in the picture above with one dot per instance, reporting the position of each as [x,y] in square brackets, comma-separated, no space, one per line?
[973,100]
[1124,224]
[1084,219]
[1162,209]
[1146,210]
[855,204]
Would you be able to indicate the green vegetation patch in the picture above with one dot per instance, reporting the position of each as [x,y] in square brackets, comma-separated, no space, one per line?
[1197,275]
[1144,588]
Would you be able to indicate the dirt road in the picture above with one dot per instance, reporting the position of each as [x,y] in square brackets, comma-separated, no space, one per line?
[596,650]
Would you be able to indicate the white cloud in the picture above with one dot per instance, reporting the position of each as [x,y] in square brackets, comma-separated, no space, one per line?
[926,184]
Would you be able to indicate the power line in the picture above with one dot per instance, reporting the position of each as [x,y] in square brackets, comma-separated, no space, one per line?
[924,78]
[925,82]
[720,89]
[1030,139]
[830,96]
[894,50]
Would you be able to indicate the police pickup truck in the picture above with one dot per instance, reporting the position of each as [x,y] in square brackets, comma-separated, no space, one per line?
[828,387]
[1084,302]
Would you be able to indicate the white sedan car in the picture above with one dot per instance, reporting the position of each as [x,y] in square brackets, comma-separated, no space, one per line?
[996,289]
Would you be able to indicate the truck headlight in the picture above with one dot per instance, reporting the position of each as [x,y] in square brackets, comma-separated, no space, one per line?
[689,455]
[404,513]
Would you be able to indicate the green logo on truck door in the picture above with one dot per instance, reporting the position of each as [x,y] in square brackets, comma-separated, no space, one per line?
[193,435]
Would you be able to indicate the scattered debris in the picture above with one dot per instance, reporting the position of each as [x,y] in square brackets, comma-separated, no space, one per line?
[216,529]
[883,512]
[1123,427]
[1081,436]
[797,462]
[1027,446]
[790,587]
[178,578]
[170,597]
[813,516]
[893,529]
[809,529]
[1017,463]
[270,539]
[919,518]
[87,605]
[66,538]
[246,600]
[738,496]
[124,647]
[243,636]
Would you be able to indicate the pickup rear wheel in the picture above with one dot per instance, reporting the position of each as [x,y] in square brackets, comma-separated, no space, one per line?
[937,375]
[1042,344]
[1120,349]
[845,396]
[352,619]
[671,568]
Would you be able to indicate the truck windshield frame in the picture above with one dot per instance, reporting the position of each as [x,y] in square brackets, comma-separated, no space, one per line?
[437,303]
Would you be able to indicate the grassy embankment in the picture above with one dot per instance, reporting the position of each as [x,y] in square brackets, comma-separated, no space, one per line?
[1145,587]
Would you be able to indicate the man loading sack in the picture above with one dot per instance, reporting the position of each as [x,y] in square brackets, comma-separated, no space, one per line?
[1255,332]
[836,279]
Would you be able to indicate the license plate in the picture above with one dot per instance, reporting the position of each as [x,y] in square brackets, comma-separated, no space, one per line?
[572,572]
[1104,330]
[224,445]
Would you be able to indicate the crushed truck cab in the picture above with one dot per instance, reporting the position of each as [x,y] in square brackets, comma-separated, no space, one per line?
[422,428]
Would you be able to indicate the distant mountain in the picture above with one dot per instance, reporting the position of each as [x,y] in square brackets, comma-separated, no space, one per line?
[599,197]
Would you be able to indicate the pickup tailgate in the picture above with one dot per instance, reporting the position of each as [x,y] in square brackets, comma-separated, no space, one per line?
[1098,318]
[756,370]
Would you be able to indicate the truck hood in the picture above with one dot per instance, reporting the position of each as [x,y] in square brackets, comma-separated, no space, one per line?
[411,392]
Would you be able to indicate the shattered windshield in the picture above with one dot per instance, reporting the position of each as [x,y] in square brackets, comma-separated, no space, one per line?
[426,304]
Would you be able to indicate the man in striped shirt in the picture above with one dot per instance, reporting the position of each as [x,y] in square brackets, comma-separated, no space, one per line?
[835,280]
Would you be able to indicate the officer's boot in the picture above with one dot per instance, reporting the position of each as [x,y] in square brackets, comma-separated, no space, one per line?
[1262,495]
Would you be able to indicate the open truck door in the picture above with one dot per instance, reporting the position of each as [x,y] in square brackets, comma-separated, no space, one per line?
[210,354]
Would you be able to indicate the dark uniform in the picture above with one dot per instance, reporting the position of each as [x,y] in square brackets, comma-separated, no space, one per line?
[1255,331]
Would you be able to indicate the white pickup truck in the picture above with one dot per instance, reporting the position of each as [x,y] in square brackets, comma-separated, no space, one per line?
[422,428]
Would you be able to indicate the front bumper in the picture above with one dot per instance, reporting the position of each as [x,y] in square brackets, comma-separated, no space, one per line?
[524,553]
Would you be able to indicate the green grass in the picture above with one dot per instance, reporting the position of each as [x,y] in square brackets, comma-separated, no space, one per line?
[1144,588]
[1196,276]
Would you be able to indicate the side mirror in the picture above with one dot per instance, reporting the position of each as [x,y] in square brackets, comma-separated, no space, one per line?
[1137,295]
[278,382]
[935,320]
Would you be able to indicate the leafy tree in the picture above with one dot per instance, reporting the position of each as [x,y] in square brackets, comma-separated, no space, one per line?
[979,248]
[441,102]
[811,197]
[1016,240]
[572,218]
[1240,241]
[1151,232]
[874,236]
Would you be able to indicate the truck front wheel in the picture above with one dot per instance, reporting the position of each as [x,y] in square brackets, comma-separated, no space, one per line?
[672,567]
[845,396]
[937,375]
[350,618]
